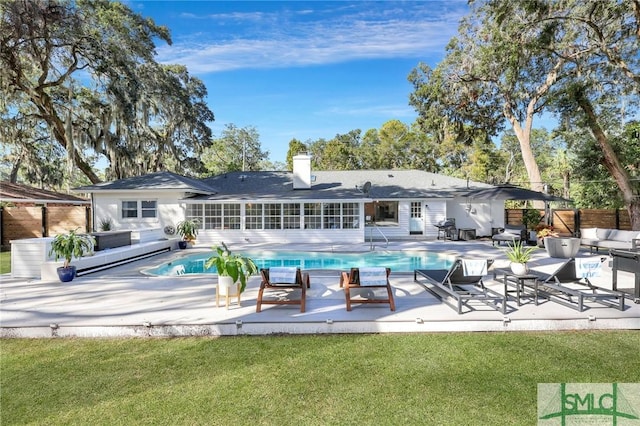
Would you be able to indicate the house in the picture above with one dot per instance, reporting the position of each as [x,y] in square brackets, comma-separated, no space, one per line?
[298,206]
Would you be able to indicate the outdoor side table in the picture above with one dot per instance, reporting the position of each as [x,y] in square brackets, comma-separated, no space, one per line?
[524,284]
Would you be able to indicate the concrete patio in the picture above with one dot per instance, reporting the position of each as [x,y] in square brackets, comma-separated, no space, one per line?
[122,302]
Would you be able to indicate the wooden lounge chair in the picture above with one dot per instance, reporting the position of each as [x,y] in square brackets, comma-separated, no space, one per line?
[283,281]
[461,284]
[569,285]
[360,284]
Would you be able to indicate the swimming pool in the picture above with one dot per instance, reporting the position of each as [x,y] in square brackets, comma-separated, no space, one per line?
[397,261]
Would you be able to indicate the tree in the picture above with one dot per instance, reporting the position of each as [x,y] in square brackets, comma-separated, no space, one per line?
[295,147]
[86,71]
[237,149]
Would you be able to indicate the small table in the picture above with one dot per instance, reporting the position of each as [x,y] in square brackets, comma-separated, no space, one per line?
[524,284]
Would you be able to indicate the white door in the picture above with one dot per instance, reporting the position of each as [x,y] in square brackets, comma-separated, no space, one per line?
[416,223]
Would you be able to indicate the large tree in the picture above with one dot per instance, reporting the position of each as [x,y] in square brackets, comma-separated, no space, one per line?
[237,149]
[86,70]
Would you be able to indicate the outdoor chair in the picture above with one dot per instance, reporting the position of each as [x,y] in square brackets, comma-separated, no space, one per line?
[461,284]
[360,286]
[279,283]
[569,285]
[510,234]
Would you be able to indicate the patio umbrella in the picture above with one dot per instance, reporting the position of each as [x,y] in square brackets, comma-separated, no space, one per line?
[510,192]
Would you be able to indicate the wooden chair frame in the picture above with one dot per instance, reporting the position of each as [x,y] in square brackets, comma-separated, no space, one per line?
[351,280]
[302,283]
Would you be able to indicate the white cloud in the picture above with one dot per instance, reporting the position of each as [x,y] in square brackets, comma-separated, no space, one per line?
[287,42]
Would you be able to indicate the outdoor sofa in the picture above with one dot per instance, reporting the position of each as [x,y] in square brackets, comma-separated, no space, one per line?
[596,238]
[510,234]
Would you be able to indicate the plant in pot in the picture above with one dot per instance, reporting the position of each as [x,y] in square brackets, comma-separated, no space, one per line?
[68,246]
[519,255]
[232,268]
[188,230]
[530,219]
[544,231]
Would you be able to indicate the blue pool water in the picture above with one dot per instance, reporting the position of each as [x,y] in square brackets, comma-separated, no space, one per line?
[397,261]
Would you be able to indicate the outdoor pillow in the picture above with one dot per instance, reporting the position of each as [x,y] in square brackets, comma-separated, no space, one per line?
[602,233]
[589,233]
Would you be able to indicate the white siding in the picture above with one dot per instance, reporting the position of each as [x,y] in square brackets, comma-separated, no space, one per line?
[434,212]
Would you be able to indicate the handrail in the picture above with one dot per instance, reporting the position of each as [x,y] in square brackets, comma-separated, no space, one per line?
[381,233]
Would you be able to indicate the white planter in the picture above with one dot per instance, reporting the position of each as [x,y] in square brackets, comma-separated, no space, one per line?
[519,268]
[225,285]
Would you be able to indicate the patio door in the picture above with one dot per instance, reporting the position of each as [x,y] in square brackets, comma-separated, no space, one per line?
[416,222]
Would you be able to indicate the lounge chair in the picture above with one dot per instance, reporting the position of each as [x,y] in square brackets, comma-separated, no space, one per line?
[360,285]
[510,234]
[283,281]
[569,285]
[462,283]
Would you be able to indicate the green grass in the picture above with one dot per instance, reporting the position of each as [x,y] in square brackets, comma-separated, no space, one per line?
[5,262]
[479,378]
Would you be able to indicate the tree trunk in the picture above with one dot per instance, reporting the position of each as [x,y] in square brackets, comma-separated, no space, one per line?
[630,195]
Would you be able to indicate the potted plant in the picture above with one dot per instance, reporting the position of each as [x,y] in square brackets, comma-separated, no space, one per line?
[106,224]
[188,230]
[519,255]
[530,219]
[68,246]
[231,267]
[543,231]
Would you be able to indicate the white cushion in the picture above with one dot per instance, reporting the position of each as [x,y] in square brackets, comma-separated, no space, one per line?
[283,275]
[625,236]
[373,276]
[603,233]
[589,233]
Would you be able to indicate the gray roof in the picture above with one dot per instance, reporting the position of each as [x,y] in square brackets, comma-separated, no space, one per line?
[384,184]
[153,181]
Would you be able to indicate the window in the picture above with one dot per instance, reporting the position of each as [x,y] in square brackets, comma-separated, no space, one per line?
[384,213]
[350,215]
[145,209]
[129,209]
[272,216]
[331,215]
[231,216]
[416,209]
[194,212]
[253,216]
[312,215]
[149,208]
[291,216]
[213,216]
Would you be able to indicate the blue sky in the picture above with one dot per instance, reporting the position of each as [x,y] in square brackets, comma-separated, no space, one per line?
[305,70]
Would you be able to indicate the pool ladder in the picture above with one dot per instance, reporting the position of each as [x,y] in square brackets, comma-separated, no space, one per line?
[371,237]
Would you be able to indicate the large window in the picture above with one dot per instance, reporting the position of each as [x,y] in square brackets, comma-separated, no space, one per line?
[146,209]
[382,213]
[291,216]
[350,215]
[312,215]
[253,216]
[194,212]
[331,215]
[213,216]
[273,216]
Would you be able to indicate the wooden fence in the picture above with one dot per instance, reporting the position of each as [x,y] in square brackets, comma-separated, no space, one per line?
[568,222]
[18,222]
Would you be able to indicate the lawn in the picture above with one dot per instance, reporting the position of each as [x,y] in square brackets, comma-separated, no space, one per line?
[5,262]
[416,379]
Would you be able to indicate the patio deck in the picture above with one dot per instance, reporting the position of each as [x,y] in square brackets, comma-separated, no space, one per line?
[121,302]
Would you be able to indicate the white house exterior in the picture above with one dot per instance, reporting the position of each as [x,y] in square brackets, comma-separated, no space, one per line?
[297,207]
